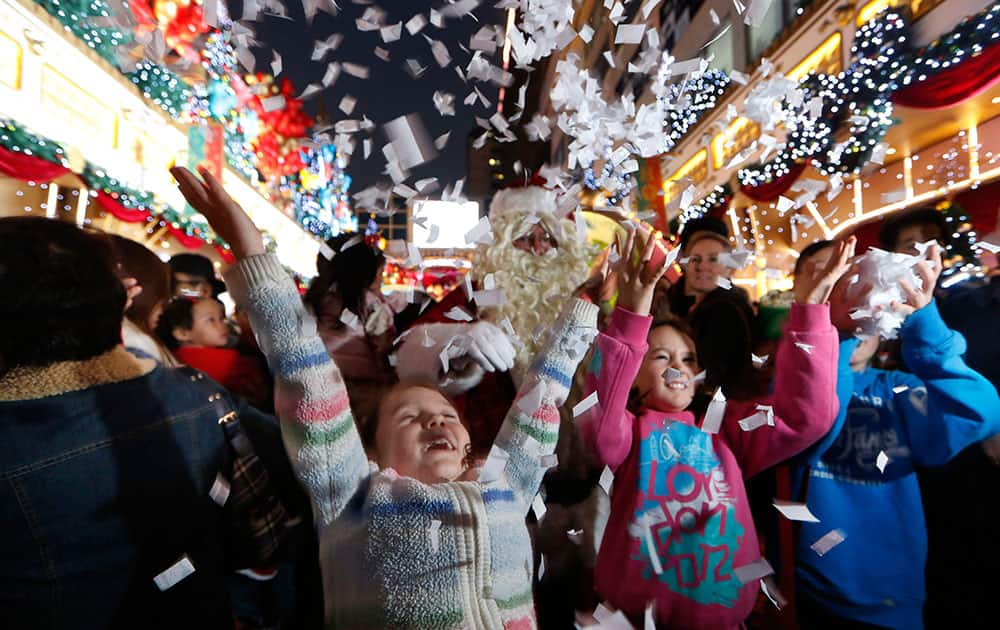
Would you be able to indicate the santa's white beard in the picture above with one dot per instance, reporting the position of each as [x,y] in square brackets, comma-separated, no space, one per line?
[535,287]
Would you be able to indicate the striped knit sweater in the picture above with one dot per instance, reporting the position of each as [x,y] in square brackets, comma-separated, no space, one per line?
[383,565]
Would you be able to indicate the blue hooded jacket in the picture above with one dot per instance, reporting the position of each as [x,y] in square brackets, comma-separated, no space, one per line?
[876,575]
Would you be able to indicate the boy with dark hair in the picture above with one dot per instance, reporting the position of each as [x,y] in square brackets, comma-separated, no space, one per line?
[108,460]
[901,232]
[862,564]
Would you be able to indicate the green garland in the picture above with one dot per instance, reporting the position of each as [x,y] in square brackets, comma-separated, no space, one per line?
[14,137]
[969,38]
[857,99]
[74,16]
[98,179]
[156,82]
[161,86]
[18,139]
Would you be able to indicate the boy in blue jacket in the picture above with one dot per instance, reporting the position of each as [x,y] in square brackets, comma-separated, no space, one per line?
[859,480]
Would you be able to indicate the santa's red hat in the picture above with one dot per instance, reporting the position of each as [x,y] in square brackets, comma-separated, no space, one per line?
[531,196]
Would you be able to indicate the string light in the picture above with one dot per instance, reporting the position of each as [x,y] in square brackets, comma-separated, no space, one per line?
[687,102]
[161,86]
[856,98]
[76,16]
[720,196]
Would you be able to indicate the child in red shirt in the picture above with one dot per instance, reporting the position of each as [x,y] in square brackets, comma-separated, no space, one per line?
[195,330]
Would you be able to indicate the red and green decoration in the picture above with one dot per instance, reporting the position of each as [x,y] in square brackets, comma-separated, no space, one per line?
[30,157]
[161,86]
[18,140]
[77,17]
[270,147]
[956,67]
[858,102]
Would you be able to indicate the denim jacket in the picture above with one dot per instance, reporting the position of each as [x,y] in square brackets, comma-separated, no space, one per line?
[107,466]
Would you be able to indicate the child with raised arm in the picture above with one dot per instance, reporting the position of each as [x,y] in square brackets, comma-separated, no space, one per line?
[414,540]
[680,534]
[860,480]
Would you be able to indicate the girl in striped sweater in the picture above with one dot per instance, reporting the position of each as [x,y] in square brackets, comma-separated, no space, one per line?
[414,539]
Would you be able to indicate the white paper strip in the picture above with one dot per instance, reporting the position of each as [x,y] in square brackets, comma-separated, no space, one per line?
[881,461]
[495,464]
[629,33]
[607,480]
[649,617]
[177,572]
[654,558]
[220,490]
[754,571]
[804,347]
[349,319]
[458,314]
[273,103]
[584,405]
[829,540]
[756,11]
[481,233]
[755,421]
[491,297]
[538,505]
[715,412]
[795,511]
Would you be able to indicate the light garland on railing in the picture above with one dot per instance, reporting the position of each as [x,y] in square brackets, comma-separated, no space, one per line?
[702,93]
[857,97]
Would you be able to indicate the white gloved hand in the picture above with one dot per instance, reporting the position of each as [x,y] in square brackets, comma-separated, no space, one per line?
[490,347]
[485,348]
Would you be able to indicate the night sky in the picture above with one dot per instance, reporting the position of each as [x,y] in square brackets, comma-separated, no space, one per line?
[390,90]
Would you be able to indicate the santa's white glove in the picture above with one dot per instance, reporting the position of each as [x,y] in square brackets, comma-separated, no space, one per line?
[485,349]
[490,347]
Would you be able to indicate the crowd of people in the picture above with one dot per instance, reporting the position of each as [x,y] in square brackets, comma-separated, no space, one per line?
[570,438]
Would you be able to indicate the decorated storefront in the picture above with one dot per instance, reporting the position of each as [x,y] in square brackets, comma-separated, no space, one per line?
[900,108]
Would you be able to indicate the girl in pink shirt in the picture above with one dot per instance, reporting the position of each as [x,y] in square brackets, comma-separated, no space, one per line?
[680,534]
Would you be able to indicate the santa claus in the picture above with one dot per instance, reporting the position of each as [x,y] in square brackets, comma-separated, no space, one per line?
[534,260]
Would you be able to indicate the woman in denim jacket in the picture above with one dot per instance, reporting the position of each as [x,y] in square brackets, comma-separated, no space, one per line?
[108,461]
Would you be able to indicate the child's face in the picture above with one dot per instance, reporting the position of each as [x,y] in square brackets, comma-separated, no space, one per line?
[658,389]
[864,352]
[208,326]
[420,435]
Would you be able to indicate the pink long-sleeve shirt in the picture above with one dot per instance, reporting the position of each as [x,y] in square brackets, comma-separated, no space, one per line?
[681,490]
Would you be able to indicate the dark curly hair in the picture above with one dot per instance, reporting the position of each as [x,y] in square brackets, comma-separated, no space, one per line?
[348,273]
[178,313]
[62,297]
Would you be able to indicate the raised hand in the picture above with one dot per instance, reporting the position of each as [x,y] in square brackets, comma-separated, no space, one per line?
[816,288]
[225,216]
[928,271]
[600,285]
[636,277]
